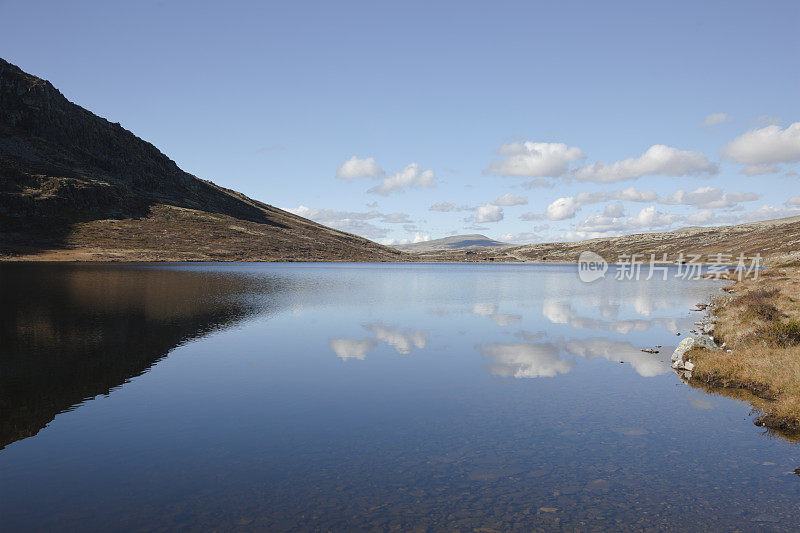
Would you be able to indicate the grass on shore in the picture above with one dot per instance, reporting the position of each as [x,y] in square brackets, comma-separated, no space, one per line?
[760,324]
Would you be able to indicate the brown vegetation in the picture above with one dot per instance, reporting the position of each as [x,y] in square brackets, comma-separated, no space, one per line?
[760,324]
[774,240]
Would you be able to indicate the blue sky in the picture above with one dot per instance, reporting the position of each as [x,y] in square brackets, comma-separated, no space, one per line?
[449,104]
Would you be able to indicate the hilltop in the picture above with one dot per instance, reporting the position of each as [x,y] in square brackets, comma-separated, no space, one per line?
[456,242]
[76,186]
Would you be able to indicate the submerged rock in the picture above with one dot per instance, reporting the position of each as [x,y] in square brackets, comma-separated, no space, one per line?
[680,360]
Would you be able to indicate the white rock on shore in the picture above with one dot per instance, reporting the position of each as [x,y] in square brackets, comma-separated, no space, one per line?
[679,356]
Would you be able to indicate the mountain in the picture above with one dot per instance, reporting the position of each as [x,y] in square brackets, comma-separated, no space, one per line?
[456,242]
[76,186]
[775,240]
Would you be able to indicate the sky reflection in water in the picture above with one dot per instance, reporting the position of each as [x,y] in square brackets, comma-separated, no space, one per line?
[367,396]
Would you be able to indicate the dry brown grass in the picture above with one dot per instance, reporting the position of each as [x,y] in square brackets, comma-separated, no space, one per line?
[760,324]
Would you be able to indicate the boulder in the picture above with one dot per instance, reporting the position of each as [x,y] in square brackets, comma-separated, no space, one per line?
[679,356]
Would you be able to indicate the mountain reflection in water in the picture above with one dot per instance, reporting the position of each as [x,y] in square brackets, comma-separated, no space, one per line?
[70,333]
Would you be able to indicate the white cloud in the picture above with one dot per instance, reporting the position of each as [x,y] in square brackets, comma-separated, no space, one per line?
[411,176]
[521,360]
[355,168]
[417,237]
[709,198]
[650,217]
[562,208]
[444,207]
[567,207]
[534,159]
[769,212]
[597,225]
[715,119]
[765,212]
[352,221]
[657,160]
[488,213]
[794,201]
[525,237]
[762,149]
[634,195]
[704,216]
[647,218]
[614,210]
[351,349]
[509,199]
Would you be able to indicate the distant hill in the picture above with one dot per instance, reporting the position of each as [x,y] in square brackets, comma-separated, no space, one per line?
[775,240]
[456,242]
[76,186]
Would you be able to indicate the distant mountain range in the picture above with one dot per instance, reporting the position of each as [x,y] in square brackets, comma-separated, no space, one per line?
[456,242]
[76,186]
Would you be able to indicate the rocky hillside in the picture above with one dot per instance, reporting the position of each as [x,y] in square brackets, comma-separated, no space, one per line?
[75,186]
[771,239]
[775,240]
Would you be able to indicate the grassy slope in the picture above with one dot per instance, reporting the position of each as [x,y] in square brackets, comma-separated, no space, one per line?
[171,233]
[760,323]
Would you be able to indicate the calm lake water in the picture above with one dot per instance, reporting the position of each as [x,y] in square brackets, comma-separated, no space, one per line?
[367,397]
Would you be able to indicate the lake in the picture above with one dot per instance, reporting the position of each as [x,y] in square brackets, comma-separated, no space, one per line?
[367,397]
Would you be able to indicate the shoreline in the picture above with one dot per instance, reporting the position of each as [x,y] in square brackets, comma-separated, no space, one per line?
[750,348]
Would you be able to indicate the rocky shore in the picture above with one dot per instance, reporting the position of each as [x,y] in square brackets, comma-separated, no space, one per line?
[748,347]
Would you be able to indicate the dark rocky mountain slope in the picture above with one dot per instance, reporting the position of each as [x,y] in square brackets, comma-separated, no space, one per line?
[76,186]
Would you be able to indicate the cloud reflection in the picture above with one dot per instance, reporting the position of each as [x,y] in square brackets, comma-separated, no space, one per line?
[561,313]
[404,342]
[646,365]
[351,348]
[534,360]
[525,360]
[490,310]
